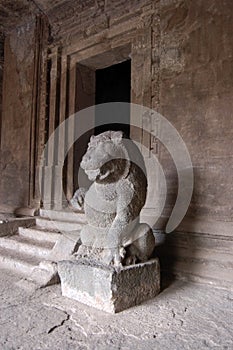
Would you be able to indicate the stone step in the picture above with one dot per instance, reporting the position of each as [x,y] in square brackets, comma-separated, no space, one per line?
[39,234]
[58,225]
[25,245]
[13,260]
[63,215]
[11,226]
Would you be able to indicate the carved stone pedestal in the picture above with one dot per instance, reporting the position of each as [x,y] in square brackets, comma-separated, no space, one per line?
[108,288]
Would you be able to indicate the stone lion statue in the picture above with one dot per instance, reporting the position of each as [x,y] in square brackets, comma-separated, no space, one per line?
[112,203]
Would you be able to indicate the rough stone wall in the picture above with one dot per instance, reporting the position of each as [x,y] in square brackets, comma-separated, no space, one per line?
[191,83]
[16,118]
[195,83]
[1,76]
[76,20]
[190,43]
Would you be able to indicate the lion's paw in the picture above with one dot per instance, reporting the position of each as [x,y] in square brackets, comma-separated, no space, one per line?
[114,256]
[77,201]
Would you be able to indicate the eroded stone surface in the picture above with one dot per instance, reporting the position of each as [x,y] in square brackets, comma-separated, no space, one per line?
[183,316]
[113,203]
[108,288]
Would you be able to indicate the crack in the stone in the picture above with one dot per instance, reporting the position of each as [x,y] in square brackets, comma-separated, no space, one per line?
[79,327]
[60,324]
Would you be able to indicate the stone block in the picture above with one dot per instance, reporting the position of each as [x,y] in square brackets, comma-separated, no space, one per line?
[109,288]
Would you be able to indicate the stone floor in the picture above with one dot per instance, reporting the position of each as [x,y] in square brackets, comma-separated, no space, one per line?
[183,316]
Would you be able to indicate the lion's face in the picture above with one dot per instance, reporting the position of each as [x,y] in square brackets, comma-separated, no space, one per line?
[104,153]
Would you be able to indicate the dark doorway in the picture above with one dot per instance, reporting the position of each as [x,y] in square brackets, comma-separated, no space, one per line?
[113,84]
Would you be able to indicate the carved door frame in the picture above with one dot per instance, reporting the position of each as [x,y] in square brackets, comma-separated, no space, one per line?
[112,46]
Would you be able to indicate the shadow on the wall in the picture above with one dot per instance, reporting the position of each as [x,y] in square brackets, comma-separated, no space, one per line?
[167,256]
[179,259]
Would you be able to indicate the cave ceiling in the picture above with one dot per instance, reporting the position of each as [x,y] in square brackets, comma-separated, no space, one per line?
[14,13]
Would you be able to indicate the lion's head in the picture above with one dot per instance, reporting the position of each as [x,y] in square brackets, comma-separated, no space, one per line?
[106,157]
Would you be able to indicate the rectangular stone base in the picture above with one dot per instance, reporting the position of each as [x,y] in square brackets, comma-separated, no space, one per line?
[107,288]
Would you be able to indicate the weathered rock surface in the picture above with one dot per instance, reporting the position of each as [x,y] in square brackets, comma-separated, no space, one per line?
[113,202]
[183,316]
[108,288]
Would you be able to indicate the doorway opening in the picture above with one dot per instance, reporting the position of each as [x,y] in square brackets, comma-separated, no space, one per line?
[113,84]
[96,85]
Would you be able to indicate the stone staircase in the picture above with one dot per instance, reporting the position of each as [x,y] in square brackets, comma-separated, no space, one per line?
[33,251]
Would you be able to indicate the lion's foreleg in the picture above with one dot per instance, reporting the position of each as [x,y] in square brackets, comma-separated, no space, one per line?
[114,247]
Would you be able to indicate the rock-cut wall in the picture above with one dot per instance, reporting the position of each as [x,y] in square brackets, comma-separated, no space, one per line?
[16,118]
